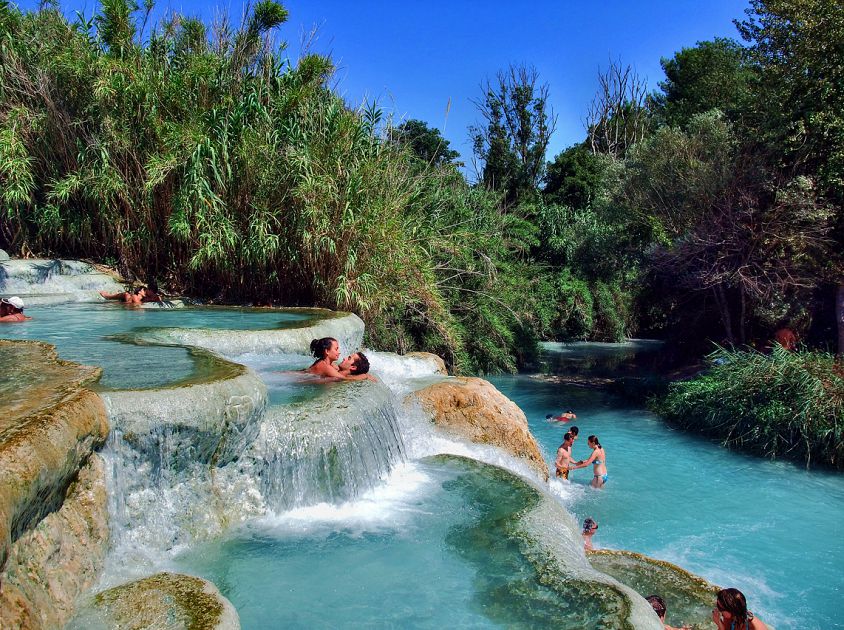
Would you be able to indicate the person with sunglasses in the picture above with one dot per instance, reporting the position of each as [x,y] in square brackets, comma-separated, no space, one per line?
[730,612]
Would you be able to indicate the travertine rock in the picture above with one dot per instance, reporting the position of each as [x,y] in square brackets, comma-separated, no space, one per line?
[431,358]
[51,565]
[49,426]
[164,601]
[474,409]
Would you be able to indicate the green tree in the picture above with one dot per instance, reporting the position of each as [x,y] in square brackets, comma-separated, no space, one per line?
[576,177]
[425,142]
[711,75]
[512,141]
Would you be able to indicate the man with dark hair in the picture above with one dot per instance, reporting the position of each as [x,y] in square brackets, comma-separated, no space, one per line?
[354,364]
[564,456]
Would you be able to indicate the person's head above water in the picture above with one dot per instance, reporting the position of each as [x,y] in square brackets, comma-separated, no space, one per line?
[658,604]
[568,437]
[325,348]
[356,363]
[574,431]
[589,526]
[592,440]
[732,605]
[12,305]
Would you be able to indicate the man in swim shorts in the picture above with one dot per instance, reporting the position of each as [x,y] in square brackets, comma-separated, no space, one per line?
[564,456]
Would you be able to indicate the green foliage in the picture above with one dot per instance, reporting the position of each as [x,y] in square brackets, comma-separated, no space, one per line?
[512,140]
[576,177]
[711,75]
[782,404]
[426,143]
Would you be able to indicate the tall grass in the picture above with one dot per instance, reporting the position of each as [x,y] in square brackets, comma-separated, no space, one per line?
[782,404]
[211,162]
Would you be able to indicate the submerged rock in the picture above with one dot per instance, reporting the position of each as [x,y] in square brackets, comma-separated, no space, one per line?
[51,565]
[689,598]
[474,409]
[3,255]
[164,601]
[49,426]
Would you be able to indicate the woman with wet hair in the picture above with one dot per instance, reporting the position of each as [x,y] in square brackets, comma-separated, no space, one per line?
[598,459]
[326,351]
[730,612]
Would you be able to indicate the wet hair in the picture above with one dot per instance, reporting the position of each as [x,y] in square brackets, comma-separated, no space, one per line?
[548,416]
[568,436]
[589,526]
[658,604]
[137,290]
[361,364]
[574,431]
[320,346]
[569,411]
[594,440]
[732,600]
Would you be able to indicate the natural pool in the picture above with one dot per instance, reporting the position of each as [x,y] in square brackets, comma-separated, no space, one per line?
[99,334]
[771,529]
[438,541]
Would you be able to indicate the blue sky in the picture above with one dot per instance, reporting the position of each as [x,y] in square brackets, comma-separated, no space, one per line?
[426,60]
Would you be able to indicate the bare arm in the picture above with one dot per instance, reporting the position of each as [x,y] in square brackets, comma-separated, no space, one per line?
[585,463]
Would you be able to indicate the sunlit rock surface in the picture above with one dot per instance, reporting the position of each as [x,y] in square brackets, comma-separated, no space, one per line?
[44,281]
[474,409]
[49,426]
[3,255]
[689,598]
[164,601]
[51,565]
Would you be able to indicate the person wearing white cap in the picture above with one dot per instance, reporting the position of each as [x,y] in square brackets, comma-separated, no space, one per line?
[11,310]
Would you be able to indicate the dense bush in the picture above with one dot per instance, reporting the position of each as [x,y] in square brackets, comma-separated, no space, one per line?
[782,404]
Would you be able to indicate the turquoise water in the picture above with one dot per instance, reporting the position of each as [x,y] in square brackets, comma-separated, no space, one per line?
[82,333]
[434,547]
[771,529]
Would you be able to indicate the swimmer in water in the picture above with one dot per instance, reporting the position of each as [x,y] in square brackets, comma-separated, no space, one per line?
[563,417]
[326,351]
[730,612]
[598,459]
[11,310]
[589,529]
[658,604]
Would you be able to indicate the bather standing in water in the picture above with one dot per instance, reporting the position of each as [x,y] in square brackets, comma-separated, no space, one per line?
[598,459]
[11,310]
[327,351]
[563,461]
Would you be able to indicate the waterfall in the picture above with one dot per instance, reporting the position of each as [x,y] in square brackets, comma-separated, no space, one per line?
[330,449]
[51,281]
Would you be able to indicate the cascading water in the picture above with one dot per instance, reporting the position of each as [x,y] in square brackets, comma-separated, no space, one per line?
[330,449]
[51,281]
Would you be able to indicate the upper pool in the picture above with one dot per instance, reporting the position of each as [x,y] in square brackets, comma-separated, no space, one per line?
[98,334]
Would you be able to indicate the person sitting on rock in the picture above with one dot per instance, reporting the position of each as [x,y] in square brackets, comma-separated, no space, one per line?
[11,310]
